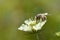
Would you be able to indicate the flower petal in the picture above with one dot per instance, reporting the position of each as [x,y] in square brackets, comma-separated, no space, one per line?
[46,14]
[39,25]
[21,27]
[28,21]
[25,28]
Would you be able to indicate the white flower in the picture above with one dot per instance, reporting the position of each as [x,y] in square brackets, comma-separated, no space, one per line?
[27,26]
[31,25]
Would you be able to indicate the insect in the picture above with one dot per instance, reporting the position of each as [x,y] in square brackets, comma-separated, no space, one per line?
[41,16]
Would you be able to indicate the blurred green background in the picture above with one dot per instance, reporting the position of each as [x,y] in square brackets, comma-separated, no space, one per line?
[14,12]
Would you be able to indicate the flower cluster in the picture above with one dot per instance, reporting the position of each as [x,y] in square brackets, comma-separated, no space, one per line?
[32,25]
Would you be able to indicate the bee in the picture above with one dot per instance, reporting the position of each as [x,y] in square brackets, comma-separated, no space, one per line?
[41,16]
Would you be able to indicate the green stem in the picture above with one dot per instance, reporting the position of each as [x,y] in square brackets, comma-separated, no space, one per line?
[37,36]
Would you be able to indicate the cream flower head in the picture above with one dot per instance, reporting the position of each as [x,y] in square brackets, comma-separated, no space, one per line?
[32,25]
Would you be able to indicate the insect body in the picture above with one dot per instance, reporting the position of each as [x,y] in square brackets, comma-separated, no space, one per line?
[41,16]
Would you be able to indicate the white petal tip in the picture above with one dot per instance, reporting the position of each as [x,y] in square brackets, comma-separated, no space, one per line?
[58,34]
[19,29]
[46,13]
